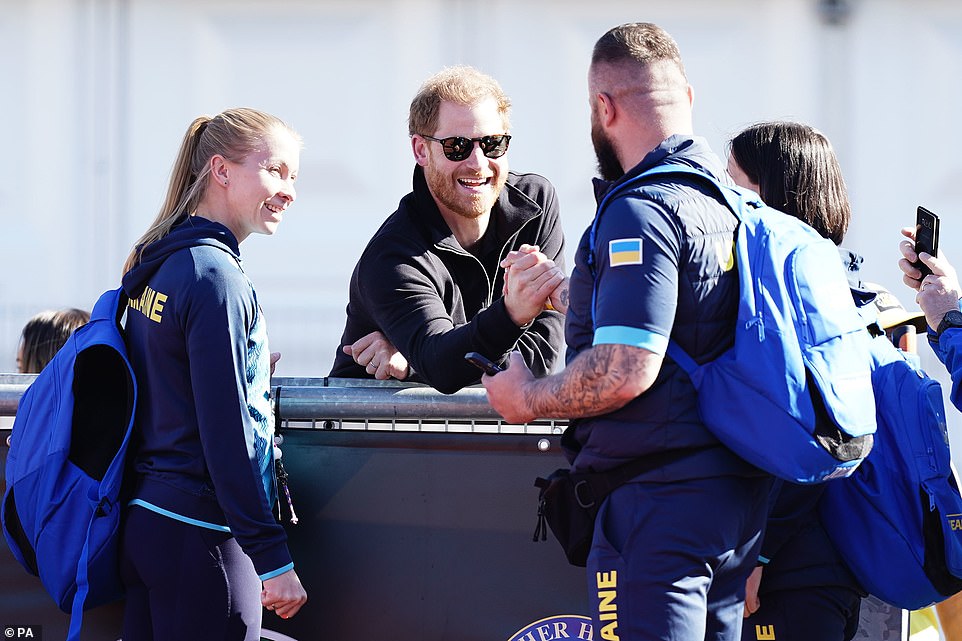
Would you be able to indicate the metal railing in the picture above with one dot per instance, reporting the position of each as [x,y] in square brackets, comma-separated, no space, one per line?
[12,387]
[341,403]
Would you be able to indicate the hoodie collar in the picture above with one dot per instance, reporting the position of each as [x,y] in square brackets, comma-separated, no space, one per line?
[510,213]
[193,231]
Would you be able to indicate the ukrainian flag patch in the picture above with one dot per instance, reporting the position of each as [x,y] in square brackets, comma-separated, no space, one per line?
[624,251]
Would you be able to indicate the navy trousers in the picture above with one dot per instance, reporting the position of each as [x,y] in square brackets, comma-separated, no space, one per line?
[186,582]
[669,560]
[826,613]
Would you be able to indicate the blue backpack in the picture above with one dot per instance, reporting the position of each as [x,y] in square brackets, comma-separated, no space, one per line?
[61,508]
[793,396]
[897,521]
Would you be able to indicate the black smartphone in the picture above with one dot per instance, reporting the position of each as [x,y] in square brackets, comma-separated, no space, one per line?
[926,237]
[483,363]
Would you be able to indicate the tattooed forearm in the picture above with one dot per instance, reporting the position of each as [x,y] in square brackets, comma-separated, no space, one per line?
[564,297]
[600,380]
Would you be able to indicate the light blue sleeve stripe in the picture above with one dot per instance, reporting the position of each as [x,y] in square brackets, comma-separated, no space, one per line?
[278,572]
[178,517]
[621,335]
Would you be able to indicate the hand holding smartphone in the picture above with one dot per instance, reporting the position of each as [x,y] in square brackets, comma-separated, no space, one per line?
[926,237]
[483,363]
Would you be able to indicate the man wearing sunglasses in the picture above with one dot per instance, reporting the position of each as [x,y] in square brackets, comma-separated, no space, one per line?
[430,287]
[675,542]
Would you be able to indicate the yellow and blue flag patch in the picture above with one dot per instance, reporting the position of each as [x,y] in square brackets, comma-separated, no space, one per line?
[624,251]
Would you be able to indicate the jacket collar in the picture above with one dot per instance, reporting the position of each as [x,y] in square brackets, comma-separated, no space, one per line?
[510,213]
[678,149]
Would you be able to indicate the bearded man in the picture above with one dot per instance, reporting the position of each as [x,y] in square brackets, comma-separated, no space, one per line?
[675,542]
[430,286]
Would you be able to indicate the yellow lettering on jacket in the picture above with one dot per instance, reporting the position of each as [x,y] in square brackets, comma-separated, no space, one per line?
[150,304]
[157,308]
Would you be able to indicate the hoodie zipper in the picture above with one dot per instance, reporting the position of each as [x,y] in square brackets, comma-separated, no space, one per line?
[501,255]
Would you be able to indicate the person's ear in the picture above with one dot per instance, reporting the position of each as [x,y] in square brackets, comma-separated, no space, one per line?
[420,148]
[605,106]
[219,171]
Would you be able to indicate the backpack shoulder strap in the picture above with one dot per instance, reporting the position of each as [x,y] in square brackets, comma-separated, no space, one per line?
[83,587]
[110,305]
[735,198]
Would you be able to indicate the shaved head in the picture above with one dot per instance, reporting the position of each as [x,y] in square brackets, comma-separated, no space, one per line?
[640,64]
[639,95]
[640,87]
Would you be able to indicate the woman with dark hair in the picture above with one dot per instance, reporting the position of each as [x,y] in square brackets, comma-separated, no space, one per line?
[793,168]
[43,336]
[801,586]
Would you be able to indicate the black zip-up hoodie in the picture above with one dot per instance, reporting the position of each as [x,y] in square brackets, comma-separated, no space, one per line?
[435,301]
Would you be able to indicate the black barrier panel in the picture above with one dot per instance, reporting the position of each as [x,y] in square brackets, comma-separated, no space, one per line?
[405,536]
[402,536]
[422,536]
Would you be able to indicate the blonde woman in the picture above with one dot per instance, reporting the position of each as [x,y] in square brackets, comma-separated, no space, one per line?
[202,551]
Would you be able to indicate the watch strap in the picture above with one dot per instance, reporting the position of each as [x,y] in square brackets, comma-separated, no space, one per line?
[952,318]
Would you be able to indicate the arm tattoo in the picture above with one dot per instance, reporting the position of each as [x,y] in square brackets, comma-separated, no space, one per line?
[600,380]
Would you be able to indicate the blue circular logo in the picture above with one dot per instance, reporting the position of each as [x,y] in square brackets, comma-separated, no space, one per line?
[556,628]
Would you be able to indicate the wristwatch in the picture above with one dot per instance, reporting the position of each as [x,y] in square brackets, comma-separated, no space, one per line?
[952,318]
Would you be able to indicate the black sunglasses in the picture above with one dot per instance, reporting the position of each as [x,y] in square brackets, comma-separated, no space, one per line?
[458,148]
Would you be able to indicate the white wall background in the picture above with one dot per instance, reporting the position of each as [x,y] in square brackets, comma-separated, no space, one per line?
[96,94]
